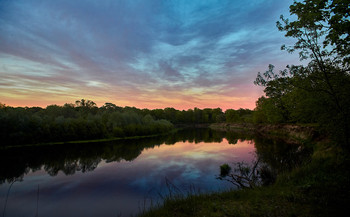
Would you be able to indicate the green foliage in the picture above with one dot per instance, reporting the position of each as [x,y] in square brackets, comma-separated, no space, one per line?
[239,116]
[83,121]
[85,103]
[268,112]
[225,169]
[321,24]
[231,116]
[220,118]
[320,91]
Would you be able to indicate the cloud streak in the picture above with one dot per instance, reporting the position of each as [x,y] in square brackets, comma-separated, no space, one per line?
[152,54]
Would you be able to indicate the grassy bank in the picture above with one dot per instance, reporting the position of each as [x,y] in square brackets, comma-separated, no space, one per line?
[317,188]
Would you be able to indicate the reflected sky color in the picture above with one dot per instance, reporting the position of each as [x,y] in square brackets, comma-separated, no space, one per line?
[148,54]
[123,187]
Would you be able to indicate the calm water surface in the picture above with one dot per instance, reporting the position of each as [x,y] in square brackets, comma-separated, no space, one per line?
[116,178]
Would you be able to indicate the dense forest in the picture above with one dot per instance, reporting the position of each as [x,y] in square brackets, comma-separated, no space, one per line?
[318,91]
[85,121]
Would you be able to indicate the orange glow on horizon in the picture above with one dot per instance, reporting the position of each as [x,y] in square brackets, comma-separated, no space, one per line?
[179,101]
[152,105]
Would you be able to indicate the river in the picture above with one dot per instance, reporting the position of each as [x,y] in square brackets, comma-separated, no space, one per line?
[123,178]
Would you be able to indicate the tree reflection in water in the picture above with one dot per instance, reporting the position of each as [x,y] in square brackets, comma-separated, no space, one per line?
[272,158]
[70,158]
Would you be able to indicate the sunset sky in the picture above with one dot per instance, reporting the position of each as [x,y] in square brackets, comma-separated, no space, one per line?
[142,53]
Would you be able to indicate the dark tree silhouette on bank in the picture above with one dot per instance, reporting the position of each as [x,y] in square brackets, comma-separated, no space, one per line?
[320,91]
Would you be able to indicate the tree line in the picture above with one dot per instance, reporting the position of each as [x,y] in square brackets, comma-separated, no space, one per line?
[83,120]
[318,91]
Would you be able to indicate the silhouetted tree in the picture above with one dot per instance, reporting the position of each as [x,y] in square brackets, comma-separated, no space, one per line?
[322,33]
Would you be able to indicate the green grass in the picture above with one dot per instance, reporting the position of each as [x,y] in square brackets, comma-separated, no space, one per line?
[318,188]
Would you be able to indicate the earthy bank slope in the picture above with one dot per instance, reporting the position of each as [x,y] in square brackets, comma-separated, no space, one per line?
[292,133]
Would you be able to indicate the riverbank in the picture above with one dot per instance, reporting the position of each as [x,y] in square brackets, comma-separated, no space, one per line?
[291,133]
[316,188]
